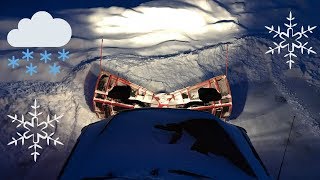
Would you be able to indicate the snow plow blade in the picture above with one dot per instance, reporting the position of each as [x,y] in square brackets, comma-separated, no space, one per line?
[114,94]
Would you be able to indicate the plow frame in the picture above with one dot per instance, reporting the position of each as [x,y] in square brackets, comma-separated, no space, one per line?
[105,106]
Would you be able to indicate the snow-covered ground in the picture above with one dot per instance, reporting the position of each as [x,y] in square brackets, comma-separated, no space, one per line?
[165,45]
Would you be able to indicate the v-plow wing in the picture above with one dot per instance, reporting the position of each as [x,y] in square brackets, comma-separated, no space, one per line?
[129,96]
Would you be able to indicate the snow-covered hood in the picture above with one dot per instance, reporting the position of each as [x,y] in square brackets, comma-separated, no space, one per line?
[129,145]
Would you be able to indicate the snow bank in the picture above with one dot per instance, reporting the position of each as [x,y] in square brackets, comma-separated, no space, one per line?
[154,28]
[166,57]
[263,101]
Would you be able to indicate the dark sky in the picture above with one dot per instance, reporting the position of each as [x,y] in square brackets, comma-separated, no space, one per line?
[26,8]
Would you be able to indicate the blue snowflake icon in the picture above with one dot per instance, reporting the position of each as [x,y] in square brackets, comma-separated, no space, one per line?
[45,56]
[64,55]
[31,69]
[27,55]
[54,69]
[13,62]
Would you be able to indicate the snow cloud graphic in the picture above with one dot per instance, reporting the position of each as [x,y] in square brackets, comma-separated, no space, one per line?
[42,30]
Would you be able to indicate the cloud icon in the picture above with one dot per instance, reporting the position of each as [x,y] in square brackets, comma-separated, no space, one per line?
[42,30]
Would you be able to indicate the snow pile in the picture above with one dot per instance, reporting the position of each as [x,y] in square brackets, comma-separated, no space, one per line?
[155,23]
[183,51]
[263,97]
[154,28]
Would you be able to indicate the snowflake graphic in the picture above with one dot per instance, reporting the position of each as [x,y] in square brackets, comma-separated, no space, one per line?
[27,55]
[13,62]
[54,69]
[287,39]
[45,56]
[31,69]
[64,55]
[35,130]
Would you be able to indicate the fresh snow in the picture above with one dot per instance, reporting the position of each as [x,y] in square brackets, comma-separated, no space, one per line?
[163,46]
[144,148]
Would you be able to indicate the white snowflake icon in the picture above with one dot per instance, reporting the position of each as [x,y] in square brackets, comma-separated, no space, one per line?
[35,130]
[291,40]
